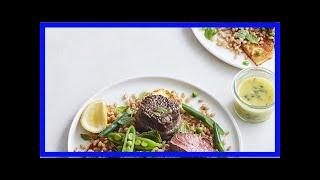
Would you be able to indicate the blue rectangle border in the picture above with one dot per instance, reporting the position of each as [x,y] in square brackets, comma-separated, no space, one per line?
[44,25]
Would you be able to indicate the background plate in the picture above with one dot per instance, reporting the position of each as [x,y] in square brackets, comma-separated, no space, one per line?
[226,55]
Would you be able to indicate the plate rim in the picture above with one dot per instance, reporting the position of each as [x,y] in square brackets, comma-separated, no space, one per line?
[76,118]
[206,46]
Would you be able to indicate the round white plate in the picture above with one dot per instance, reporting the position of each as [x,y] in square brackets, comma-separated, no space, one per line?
[114,93]
[226,55]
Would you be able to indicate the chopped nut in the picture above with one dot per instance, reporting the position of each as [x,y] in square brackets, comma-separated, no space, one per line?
[204,107]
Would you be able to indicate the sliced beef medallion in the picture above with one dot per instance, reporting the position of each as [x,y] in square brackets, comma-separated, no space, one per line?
[189,142]
[159,113]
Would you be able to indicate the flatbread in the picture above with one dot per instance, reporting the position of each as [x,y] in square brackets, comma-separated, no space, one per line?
[259,53]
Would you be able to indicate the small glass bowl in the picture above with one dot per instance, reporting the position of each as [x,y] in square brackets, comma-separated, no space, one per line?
[247,112]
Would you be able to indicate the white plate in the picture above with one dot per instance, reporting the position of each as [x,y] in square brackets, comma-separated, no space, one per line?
[114,93]
[226,55]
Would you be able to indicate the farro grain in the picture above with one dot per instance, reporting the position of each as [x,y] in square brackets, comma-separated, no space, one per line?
[95,142]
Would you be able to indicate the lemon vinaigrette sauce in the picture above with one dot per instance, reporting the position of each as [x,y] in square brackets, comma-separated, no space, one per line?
[254,94]
[256,91]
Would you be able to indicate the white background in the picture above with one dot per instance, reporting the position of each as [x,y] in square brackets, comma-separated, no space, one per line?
[81,61]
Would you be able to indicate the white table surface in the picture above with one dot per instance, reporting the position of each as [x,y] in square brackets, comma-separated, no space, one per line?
[81,61]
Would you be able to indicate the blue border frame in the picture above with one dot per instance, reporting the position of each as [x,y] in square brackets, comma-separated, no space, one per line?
[44,25]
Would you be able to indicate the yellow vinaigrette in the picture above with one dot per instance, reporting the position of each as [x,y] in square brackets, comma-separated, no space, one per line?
[256,91]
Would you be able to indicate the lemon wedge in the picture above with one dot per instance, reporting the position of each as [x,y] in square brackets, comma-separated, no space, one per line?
[94,117]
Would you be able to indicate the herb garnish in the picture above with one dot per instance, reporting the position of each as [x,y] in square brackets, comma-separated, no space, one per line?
[162,110]
[210,32]
[246,35]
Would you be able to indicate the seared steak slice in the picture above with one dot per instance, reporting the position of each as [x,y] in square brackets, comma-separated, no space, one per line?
[159,113]
[189,142]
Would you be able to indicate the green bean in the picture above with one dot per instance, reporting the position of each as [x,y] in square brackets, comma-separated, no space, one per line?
[202,117]
[126,118]
[217,141]
[129,140]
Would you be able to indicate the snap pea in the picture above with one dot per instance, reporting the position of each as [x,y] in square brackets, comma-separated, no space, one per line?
[140,143]
[126,118]
[116,138]
[129,143]
[144,144]
[147,144]
[154,149]
[202,117]
[129,140]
